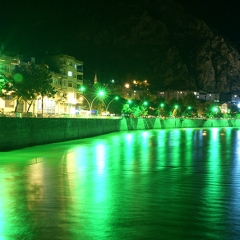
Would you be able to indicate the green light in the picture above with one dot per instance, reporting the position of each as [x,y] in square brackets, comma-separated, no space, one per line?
[116,98]
[214,109]
[189,108]
[176,106]
[162,105]
[145,103]
[101,93]
[82,89]
[129,101]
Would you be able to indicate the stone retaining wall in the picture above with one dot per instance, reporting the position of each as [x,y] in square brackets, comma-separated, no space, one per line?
[17,133]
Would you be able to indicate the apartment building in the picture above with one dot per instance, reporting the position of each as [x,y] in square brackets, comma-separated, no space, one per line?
[170,94]
[67,74]
[213,97]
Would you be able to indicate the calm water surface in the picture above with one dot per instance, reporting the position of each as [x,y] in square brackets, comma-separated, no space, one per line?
[156,184]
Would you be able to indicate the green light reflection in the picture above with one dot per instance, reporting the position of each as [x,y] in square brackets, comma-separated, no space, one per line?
[174,144]
[161,149]
[100,157]
[188,147]
[213,192]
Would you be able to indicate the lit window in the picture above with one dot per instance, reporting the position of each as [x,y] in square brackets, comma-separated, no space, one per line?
[69,73]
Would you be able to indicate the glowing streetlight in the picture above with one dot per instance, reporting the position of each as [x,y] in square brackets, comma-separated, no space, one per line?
[145,103]
[162,105]
[188,108]
[82,89]
[214,110]
[116,98]
[174,113]
[100,94]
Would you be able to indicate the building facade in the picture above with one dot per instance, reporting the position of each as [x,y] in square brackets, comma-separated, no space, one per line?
[67,74]
[67,77]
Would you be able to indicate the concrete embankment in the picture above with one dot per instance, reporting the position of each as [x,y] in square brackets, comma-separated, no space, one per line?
[17,133]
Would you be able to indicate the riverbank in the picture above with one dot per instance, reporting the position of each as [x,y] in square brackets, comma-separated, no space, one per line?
[18,133]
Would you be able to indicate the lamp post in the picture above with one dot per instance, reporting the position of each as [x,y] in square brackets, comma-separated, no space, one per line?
[174,113]
[86,100]
[160,109]
[214,109]
[100,94]
[162,105]
[116,98]
[188,108]
[145,103]
[82,89]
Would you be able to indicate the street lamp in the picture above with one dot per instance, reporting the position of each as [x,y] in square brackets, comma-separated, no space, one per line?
[174,113]
[82,89]
[188,108]
[100,94]
[116,98]
[162,105]
[214,109]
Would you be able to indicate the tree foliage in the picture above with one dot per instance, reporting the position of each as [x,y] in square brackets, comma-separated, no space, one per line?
[30,82]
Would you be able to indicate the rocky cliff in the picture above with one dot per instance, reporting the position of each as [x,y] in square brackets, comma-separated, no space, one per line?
[159,41]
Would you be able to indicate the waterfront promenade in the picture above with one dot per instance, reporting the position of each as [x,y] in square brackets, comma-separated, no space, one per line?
[17,133]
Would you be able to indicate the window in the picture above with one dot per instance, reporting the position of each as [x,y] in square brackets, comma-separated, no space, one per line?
[69,73]
[9,101]
[70,84]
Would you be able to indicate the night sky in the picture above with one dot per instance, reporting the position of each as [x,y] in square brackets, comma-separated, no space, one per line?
[223,15]
[33,27]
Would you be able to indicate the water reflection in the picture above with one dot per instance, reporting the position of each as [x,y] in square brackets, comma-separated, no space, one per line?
[156,184]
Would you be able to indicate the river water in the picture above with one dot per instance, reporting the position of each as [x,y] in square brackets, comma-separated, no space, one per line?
[154,184]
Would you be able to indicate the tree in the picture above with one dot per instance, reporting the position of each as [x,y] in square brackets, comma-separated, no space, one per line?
[28,82]
[126,110]
[43,80]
